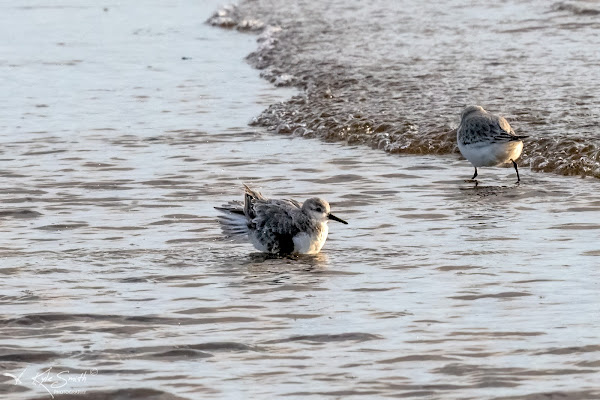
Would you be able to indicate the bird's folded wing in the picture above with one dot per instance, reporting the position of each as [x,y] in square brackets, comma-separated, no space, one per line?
[487,129]
[277,216]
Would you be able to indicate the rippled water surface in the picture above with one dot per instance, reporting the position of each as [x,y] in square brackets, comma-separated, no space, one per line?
[123,127]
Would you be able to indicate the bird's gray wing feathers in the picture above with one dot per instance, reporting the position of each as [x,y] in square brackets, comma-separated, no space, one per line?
[294,203]
[487,128]
[276,222]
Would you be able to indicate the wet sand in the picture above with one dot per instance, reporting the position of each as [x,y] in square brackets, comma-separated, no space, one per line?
[113,267]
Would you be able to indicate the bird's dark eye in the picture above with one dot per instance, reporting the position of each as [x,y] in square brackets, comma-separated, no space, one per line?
[319,209]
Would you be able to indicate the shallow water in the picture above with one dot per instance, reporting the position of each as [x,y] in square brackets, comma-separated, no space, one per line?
[113,266]
[395,75]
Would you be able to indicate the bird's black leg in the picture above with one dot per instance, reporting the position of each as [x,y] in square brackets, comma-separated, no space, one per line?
[516,169]
[475,174]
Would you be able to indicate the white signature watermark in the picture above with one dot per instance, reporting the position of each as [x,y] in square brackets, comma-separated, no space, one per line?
[55,381]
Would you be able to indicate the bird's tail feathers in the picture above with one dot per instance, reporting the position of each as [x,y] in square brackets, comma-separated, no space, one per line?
[234,222]
[250,198]
[252,193]
[520,137]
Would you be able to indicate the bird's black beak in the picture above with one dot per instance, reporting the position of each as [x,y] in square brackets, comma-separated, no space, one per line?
[333,217]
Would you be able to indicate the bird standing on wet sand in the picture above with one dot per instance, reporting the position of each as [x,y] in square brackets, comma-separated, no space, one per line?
[487,140]
[278,226]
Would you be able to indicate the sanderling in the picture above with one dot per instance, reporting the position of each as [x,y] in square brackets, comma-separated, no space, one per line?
[278,226]
[487,140]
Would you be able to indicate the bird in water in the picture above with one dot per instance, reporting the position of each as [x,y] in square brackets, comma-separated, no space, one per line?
[486,139]
[278,226]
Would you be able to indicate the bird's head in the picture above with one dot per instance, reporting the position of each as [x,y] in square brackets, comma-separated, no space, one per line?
[471,109]
[319,209]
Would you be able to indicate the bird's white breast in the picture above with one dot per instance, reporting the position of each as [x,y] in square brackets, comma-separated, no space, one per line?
[305,243]
[486,155]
